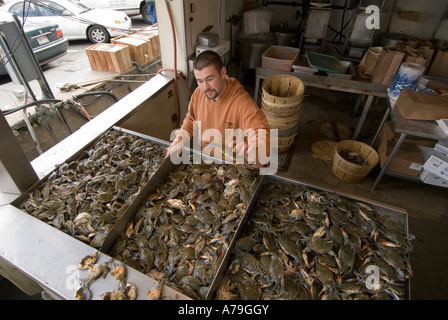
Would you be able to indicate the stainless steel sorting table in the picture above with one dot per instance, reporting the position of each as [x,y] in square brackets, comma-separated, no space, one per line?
[352,86]
[36,256]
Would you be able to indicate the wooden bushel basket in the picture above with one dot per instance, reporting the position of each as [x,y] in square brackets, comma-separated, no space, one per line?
[282,89]
[281,123]
[351,172]
[284,143]
[282,97]
[282,110]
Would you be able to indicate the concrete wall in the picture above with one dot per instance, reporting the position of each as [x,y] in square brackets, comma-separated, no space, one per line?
[420,18]
[417,18]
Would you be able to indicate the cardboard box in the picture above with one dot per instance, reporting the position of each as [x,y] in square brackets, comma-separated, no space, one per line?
[408,160]
[437,164]
[430,178]
[437,86]
[388,132]
[443,125]
[442,146]
[109,57]
[415,105]
[387,65]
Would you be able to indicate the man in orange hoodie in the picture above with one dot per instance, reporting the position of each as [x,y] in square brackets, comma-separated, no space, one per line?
[222,111]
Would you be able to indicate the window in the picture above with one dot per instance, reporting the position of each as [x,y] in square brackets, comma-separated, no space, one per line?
[50,8]
[29,9]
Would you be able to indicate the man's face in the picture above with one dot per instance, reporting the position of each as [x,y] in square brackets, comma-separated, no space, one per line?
[211,82]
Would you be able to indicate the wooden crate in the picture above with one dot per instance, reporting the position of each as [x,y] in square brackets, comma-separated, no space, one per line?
[109,57]
[154,29]
[151,33]
[143,47]
[153,38]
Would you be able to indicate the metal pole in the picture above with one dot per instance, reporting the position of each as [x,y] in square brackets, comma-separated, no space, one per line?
[18,73]
[363,116]
[386,115]
[19,175]
[389,160]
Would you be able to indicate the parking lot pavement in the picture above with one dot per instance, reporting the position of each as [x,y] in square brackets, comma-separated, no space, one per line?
[72,69]
[69,70]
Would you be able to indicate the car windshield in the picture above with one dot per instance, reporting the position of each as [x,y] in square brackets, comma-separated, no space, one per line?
[50,8]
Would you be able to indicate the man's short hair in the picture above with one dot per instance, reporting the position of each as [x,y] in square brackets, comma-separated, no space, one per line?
[207,58]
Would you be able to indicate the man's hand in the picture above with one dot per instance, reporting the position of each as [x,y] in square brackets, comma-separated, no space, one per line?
[240,148]
[248,151]
[176,146]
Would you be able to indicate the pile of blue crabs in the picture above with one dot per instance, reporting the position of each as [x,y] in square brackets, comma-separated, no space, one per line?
[303,244]
[182,232]
[86,197]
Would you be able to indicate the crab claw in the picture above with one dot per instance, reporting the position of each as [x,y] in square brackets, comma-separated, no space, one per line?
[305,258]
[339,279]
[390,244]
[331,253]
[374,234]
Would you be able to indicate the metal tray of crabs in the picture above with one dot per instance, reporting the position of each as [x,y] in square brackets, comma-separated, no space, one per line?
[182,231]
[86,196]
[302,242]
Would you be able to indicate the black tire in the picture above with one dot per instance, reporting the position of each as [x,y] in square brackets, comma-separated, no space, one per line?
[145,15]
[98,34]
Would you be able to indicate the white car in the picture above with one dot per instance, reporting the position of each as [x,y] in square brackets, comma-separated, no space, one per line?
[130,7]
[76,20]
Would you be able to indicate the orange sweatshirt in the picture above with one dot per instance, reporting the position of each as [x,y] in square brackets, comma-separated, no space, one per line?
[234,110]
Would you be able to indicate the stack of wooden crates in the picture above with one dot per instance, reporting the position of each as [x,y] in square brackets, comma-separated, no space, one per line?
[141,46]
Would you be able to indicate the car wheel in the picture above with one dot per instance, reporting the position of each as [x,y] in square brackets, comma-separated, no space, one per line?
[98,34]
[145,14]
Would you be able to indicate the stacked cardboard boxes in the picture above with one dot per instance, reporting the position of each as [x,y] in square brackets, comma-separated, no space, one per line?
[409,158]
[435,169]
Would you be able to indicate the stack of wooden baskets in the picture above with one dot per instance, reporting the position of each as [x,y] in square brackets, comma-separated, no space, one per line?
[282,97]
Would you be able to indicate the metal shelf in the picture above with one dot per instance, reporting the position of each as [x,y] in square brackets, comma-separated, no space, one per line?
[418,128]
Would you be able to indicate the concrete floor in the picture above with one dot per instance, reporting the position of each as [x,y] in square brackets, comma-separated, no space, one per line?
[427,206]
